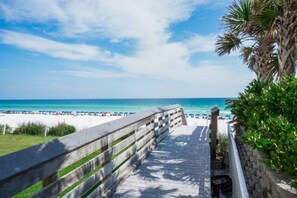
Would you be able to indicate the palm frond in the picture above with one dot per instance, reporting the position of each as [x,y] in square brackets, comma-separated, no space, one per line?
[227,43]
[265,19]
[246,53]
[239,15]
[248,57]
[229,103]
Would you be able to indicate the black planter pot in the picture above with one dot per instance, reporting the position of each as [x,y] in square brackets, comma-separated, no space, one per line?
[221,182]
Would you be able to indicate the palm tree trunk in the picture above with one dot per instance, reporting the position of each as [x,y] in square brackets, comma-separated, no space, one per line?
[264,59]
[286,28]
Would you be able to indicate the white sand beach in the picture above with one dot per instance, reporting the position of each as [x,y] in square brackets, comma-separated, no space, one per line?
[85,121]
[80,122]
[222,124]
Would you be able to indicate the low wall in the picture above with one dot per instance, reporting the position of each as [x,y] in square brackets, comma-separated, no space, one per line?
[261,180]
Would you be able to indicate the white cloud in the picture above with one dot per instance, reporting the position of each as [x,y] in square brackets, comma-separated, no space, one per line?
[115,40]
[198,43]
[142,19]
[158,60]
[52,48]
[38,11]
[95,73]
[145,21]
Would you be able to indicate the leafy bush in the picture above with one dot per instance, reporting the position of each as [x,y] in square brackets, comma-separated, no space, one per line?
[278,139]
[30,128]
[61,129]
[269,114]
[282,99]
[294,184]
[7,130]
[249,109]
[222,147]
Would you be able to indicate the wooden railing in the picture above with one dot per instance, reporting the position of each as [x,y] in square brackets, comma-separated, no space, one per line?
[121,146]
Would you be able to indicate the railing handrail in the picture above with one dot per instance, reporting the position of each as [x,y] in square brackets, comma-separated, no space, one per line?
[15,164]
[239,185]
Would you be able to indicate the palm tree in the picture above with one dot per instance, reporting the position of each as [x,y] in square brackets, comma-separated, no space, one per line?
[279,17]
[272,21]
[241,26]
[259,57]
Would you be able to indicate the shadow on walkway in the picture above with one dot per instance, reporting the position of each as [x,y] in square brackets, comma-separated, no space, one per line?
[179,167]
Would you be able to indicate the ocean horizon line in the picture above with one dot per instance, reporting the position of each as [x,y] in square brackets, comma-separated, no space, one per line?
[20,99]
[190,105]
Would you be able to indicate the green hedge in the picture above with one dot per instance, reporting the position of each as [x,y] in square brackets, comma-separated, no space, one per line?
[61,129]
[30,128]
[269,114]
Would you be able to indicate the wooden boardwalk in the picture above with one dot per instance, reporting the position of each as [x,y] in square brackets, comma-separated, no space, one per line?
[179,167]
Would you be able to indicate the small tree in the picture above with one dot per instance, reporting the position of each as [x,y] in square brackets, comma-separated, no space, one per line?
[222,147]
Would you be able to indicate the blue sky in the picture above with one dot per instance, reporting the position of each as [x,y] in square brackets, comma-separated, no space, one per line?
[115,49]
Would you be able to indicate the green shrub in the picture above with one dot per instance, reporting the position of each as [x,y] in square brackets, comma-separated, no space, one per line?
[269,114]
[222,147]
[249,108]
[7,130]
[30,128]
[277,138]
[282,99]
[294,184]
[61,129]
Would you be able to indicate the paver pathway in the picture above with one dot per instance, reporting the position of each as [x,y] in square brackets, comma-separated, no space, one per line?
[179,167]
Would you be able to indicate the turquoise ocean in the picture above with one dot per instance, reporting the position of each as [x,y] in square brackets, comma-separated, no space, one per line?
[191,105]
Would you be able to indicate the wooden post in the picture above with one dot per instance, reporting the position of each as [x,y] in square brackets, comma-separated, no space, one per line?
[4,129]
[45,131]
[156,128]
[215,111]
[184,120]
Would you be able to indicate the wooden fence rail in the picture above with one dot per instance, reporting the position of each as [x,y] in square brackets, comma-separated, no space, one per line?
[121,145]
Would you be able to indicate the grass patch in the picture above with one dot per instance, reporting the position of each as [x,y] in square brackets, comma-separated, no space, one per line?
[10,143]
[29,191]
